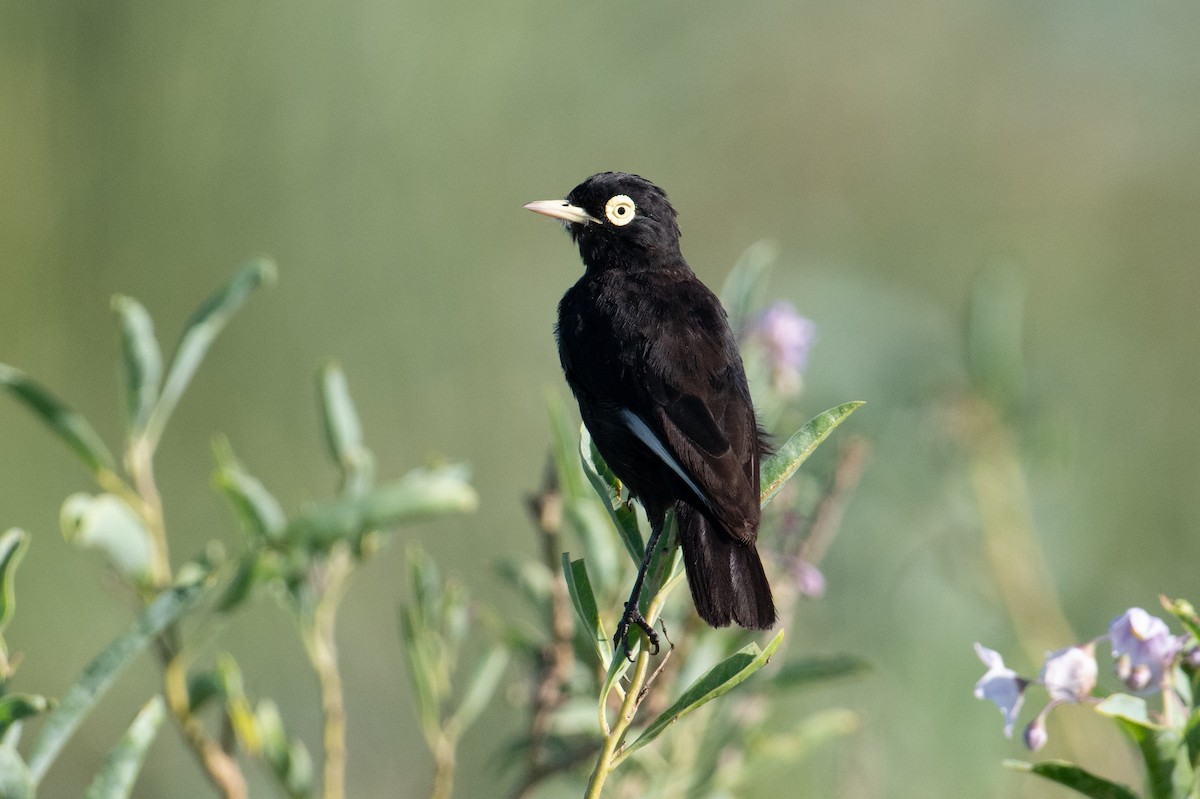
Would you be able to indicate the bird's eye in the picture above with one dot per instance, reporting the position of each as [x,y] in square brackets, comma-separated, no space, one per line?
[620,210]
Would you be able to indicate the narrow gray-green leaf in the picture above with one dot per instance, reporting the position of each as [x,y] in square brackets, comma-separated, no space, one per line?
[421,670]
[619,662]
[579,586]
[718,680]
[12,546]
[562,429]
[1074,777]
[480,689]
[198,335]
[15,780]
[425,582]
[260,514]
[272,736]
[608,487]
[120,771]
[68,425]
[343,431]
[141,361]
[421,494]
[595,531]
[810,670]
[100,674]
[105,523]
[299,782]
[743,290]
[14,707]
[779,468]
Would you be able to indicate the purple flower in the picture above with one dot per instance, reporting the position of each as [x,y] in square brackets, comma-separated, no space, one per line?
[787,337]
[1142,647]
[1070,674]
[808,579]
[1035,736]
[1000,685]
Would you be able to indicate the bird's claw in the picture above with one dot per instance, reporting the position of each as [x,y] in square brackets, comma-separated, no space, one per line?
[631,617]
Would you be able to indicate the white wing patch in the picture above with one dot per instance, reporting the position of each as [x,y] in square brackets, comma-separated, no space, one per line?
[644,434]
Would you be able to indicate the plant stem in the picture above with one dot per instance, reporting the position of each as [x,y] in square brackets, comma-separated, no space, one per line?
[140,462]
[443,768]
[611,749]
[612,742]
[321,643]
[221,769]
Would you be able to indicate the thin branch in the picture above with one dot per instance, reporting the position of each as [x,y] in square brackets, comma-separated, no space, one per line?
[221,769]
[558,654]
[321,642]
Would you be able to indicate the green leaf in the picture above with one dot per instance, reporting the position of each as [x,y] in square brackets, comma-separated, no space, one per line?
[608,487]
[1074,777]
[343,432]
[1191,739]
[100,674]
[288,759]
[1185,612]
[15,780]
[807,671]
[716,681]
[579,586]
[104,522]
[237,707]
[1169,772]
[780,467]
[619,662]
[120,771]
[72,428]
[273,737]
[743,290]
[198,335]
[13,543]
[141,360]
[421,670]
[420,494]
[202,687]
[14,707]
[595,531]
[479,691]
[259,513]
[299,783]
[1130,709]
[255,568]
[426,584]
[562,429]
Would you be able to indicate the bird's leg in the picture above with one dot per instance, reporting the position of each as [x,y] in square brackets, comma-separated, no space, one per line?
[633,612]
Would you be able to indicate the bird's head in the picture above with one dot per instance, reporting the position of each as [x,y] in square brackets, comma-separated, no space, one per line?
[616,218]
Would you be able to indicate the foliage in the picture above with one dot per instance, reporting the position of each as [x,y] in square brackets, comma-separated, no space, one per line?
[305,557]
[593,707]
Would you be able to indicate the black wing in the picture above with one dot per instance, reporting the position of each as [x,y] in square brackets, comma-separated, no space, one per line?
[665,358]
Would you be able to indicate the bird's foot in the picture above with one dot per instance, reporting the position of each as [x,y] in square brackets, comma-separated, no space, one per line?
[632,617]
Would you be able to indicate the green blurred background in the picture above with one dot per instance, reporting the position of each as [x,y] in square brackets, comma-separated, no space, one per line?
[380,152]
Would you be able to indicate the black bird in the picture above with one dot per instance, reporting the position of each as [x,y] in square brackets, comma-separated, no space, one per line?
[647,350]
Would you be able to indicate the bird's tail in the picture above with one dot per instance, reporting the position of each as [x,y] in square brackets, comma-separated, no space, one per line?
[726,577]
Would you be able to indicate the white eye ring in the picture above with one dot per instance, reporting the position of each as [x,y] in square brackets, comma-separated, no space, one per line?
[620,210]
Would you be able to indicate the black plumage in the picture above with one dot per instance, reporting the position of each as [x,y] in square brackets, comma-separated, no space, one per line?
[647,350]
